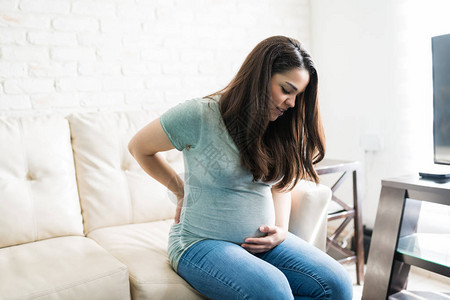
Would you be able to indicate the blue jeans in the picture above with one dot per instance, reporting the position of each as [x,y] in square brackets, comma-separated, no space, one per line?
[292,270]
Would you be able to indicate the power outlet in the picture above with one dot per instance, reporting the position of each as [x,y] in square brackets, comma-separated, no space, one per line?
[371,142]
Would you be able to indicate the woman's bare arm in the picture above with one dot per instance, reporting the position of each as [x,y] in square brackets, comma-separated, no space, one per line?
[144,147]
[282,205]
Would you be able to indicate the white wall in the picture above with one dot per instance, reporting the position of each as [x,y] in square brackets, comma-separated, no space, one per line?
[374,64]
[81,55]
[373,60]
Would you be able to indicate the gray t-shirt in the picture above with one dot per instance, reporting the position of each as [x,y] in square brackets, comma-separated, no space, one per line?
[220,200]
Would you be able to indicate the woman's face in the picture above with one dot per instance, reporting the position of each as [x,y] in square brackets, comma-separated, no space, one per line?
[285,87]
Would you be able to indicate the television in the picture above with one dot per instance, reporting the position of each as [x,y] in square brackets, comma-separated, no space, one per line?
[440,48]
[441,98]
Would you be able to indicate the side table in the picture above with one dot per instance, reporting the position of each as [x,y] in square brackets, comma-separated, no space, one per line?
[348,213]
[396,245]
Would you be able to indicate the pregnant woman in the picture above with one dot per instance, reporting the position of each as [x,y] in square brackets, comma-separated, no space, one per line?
[245,148]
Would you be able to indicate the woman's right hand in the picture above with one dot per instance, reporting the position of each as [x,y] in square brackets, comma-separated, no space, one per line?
[178,209]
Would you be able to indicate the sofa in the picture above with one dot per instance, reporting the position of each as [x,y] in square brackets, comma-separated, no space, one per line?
[79,218]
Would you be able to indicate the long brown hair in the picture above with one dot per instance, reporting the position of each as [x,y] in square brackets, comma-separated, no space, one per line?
[288,147]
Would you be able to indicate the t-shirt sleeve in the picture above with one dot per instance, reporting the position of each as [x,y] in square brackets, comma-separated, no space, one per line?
[182,124]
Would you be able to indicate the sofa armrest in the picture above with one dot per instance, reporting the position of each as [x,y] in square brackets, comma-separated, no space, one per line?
[308,218]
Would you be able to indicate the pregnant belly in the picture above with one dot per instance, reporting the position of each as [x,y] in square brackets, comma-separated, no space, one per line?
[237,233]
[233,224]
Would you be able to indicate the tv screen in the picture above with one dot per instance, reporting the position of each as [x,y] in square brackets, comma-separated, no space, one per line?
[441,98]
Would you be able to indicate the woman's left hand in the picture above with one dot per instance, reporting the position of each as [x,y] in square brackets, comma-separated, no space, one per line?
[275,236]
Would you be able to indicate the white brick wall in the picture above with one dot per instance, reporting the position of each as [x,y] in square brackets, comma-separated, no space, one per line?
[80,55]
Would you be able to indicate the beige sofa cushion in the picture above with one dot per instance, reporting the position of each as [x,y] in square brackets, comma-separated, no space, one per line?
[61,268]
[38,192]
[308,218]
[143,248]
[114,190]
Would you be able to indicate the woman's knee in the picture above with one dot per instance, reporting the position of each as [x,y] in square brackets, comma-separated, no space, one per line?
[311,272]
[270,285]
[338,284]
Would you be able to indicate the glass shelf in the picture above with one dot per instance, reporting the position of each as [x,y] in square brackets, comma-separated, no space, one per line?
[426,249]
[411,295]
